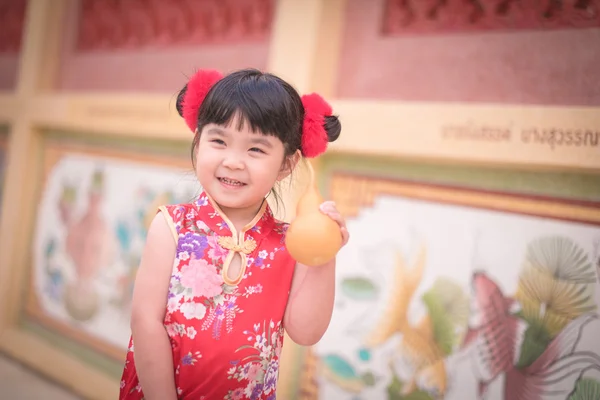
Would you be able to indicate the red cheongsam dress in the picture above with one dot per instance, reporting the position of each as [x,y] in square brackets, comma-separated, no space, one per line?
[226,335]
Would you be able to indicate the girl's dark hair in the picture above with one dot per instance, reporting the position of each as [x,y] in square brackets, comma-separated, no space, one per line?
[266,102]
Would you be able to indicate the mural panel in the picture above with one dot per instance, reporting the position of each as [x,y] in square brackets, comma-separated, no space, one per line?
[448,293]
[91,225]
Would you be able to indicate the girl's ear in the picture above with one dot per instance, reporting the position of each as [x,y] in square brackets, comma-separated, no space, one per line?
[288,165]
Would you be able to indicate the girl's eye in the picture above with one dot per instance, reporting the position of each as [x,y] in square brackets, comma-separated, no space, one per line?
[256,149]
[218,141]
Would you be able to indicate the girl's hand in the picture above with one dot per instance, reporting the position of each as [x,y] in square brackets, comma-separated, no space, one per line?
[328,208]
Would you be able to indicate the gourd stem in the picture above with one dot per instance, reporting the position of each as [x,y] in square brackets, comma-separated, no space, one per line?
[311,172]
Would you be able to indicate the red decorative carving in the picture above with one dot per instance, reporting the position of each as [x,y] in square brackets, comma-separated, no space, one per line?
[437,16]
[126,24]
[12,19]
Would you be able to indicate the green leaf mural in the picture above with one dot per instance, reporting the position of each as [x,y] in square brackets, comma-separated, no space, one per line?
[448,308]
[556,284]
[586,389]
[535,341]
[340,371]
[360,288]
[394,391]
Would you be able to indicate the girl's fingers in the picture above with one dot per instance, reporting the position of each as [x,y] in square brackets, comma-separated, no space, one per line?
[345,235]
[328,208]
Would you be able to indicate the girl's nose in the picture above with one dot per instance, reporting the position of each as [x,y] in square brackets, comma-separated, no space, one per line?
[233,162]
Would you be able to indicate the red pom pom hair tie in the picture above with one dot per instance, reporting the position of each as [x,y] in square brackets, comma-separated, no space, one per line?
[314,135]
[197,89]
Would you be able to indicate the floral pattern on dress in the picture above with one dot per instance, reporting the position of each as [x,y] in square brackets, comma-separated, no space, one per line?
[191,245]
[262,260]
[207,320]
[200,280]
[259,369]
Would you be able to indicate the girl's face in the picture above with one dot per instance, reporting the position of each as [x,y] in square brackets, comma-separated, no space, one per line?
[238,168]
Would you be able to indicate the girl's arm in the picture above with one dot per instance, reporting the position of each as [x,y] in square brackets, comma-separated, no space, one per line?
[152,348]
[310,304]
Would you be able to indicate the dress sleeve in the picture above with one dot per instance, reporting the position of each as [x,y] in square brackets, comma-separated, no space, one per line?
[173,215]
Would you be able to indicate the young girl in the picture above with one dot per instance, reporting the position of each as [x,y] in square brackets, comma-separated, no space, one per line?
[216,287]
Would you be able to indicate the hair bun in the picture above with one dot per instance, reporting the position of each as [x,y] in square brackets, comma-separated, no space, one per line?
[179,102]
[193,94]
[333,127]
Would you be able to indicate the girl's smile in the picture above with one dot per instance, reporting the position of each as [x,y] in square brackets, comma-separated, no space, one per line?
[238,167]
[230,183]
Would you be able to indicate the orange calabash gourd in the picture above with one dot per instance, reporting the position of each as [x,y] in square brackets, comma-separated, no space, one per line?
[312,238]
